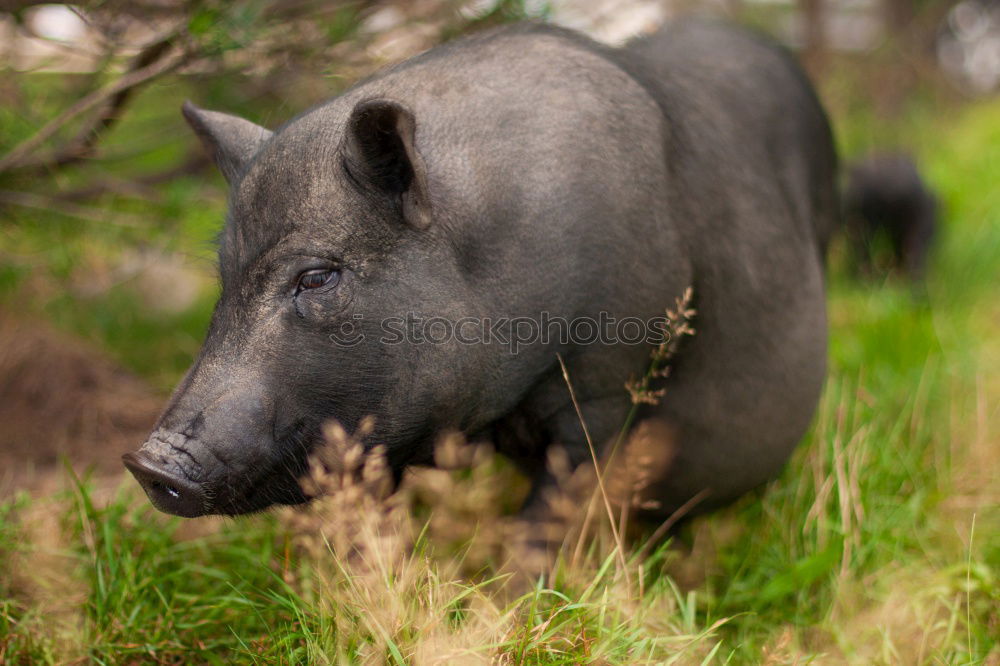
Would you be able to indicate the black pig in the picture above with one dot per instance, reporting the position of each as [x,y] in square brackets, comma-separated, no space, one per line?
[522,172]
[886,196]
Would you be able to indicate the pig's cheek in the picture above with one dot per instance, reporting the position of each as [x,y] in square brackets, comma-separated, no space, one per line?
[308,308]
[322,308]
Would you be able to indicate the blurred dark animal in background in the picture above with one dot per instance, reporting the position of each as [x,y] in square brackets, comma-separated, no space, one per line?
[889,211]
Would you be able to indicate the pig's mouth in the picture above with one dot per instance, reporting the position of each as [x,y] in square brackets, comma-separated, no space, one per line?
[197,490]
[277,487]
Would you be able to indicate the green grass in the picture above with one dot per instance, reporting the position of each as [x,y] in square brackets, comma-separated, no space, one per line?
[880,543]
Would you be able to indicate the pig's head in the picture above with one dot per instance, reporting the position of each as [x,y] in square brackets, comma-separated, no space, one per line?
[330,231]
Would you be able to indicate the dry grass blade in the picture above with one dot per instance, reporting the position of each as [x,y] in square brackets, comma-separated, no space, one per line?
[677,325]
[619,546]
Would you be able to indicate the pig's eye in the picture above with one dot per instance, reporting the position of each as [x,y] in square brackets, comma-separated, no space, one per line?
[316,278]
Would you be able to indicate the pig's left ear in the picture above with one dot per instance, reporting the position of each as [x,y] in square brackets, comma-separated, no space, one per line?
[232,141]
[380,153]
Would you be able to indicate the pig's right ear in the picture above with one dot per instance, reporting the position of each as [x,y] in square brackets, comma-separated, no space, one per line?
[232,141]
[380,154]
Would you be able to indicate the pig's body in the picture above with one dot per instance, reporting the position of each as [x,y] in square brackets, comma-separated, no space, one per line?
[521,171]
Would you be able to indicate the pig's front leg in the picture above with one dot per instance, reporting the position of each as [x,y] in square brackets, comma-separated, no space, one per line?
[561,483]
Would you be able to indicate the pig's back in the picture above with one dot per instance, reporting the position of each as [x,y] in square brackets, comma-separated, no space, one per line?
[542,151]
[737,99]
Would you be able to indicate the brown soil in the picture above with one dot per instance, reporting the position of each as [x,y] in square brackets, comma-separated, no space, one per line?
[60,398]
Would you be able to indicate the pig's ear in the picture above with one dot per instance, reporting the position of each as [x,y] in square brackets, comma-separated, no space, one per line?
[232,141]
[380,154]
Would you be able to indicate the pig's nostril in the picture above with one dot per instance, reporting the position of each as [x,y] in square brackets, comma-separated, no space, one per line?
[167,490]
[170,490]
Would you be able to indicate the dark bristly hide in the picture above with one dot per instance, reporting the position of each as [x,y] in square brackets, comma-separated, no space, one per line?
[520,171]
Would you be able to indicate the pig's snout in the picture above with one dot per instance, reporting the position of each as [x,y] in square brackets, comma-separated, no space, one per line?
[222,454]
[170,468]
[167,487]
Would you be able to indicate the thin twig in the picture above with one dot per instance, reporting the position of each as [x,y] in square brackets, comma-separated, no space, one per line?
[82,145]
[138,186]
[17,157]
[88,213]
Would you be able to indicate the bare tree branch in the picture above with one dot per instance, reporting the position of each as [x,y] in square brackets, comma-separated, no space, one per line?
[88,213]
[140,185]
[82,145]
[115,94]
